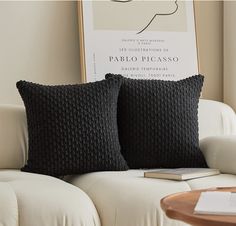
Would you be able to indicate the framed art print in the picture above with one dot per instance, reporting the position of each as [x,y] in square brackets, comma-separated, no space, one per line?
[137,38]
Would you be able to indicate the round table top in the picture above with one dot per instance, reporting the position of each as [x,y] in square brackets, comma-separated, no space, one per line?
[180,206]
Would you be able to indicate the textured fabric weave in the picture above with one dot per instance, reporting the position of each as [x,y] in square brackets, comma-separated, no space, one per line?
[158,122]
[72,128]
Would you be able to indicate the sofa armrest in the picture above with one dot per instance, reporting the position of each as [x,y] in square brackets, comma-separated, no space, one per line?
[220,152]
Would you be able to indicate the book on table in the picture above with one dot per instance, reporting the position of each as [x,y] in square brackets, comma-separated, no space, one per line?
[217,203]
[181,173]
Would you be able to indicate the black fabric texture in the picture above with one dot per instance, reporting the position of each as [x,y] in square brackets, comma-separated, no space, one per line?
[72,128]
[158,122]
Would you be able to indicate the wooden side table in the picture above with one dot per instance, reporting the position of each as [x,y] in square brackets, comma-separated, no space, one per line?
[180,206]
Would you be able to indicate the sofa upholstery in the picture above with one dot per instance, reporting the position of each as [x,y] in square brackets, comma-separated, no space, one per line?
[103,198]
[219,152]
[129,199]
[13,137]
[28,199]
[215,119]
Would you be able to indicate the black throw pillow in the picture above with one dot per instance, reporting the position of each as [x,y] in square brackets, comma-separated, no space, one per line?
[72,128]
[158,122]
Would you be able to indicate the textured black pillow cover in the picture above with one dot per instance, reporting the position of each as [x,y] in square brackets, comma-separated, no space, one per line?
[158,122]
[72,128]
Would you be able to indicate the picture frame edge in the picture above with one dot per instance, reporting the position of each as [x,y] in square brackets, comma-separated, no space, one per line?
[81,41]
[196,36]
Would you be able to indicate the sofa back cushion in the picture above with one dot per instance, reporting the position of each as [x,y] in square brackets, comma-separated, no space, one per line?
[13,137]
[215,118]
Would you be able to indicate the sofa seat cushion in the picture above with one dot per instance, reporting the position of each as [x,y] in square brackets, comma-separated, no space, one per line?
[129,199]
[37,200]
[8,205]
[222,180]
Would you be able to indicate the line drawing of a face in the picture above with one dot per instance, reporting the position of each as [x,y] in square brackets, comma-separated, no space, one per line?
[152,17]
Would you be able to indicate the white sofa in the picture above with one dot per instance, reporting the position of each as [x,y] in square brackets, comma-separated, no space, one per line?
[104,198]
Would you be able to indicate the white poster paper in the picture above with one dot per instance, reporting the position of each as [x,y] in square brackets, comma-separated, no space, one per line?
[139,39]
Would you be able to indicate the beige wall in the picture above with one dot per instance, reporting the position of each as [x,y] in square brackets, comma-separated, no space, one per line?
[39,42]
[209,28]
[230,53]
